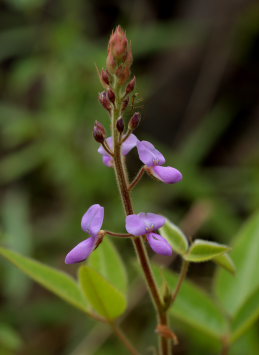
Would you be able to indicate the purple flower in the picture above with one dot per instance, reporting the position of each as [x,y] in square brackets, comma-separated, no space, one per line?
[146,224]
[91,223]
[154,160]
[126,147]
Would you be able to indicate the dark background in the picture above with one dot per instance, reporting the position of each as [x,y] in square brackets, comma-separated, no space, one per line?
[196,63]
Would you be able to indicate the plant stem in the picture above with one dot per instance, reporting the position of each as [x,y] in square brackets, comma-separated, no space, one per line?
[140,248]
[121,235]
[137,178]
[118,331]
[183,273]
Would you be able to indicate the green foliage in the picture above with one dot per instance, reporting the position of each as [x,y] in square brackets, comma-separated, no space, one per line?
[234,292]
[108,301]
[175,236]
[107,261]
[203,250]
[225,261]
[54,280]
[195,307]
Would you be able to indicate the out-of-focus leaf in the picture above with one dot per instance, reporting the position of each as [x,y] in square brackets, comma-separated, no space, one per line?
[54,280]
[175,236]
[17,164]
[225,261]
[203,250]
[107,261]
[18,237]
[194,306]
[9,338]
[234,291]
[246,315]
[104,297]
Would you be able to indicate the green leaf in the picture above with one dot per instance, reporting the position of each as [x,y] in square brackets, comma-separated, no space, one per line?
[175,237]
[194,306]
[225,261]
[203,250]
[107,261]
[54,280]
[104,297]
[246,316]
[234,291]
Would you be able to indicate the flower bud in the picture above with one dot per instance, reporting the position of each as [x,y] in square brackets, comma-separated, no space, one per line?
[104,100]
[131,85]
[134,121]
[105,77]
[111,95]
[99,132]
[118,44]
[125,103]
[120,124]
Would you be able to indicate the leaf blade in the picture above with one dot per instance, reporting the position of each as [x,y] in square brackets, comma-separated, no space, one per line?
[94,286]
[175,237]
[203,250]
[54,280]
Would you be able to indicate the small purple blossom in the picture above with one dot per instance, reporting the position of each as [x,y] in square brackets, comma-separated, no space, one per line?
[147,224]
[126,147]
[154,160]
[91,223]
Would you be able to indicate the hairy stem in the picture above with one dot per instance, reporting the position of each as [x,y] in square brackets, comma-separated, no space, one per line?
[137,178]
[183,273]
[118,331]
[121,235]
[140,248]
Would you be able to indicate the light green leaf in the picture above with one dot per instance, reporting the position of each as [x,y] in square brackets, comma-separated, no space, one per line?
[225,261]
[107,261]
[245,316]
[104,297]
[175,237]
[203,250]
[234,291]
[194,306]
[54,280]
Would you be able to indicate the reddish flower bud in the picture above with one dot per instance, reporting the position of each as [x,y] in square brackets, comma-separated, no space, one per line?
[105,77]
[118,44]
[125,103]
[120,124]
[111,95]
[131,85]
[123,73]
[104,100]
[99,132]
[134,121]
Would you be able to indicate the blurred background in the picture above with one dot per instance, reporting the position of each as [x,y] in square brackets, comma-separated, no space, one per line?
[196,63]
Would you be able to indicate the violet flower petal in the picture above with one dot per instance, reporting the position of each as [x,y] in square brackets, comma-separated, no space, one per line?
[152,221]
[135,225]
[109,142]
[159,244]
[129,144]
[142,223]
[81,251]
[108,160]
[92,220]
[149,155]
[167,174]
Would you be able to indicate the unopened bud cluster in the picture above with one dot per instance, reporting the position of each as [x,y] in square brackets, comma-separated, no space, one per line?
[117,74]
